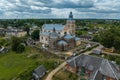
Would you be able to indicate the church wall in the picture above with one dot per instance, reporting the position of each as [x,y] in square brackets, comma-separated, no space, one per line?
[44,39]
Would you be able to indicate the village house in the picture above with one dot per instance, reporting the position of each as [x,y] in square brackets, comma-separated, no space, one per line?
[86,37]
[58,36]
[94,68]
[15,32]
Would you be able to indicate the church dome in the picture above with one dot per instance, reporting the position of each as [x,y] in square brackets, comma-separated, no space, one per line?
[54,34]
[62,42]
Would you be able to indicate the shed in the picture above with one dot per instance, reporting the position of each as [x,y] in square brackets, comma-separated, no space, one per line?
[39,72]
[97,51]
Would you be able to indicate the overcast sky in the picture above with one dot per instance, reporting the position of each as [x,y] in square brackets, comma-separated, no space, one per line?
[100,9]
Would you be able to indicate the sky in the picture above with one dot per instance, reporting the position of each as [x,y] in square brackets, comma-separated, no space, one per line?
[83,9]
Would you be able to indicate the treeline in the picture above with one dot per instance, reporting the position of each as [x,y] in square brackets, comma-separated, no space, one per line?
[20,23]
[39,22]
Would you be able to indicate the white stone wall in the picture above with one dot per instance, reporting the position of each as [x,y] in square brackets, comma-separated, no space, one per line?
[44,39]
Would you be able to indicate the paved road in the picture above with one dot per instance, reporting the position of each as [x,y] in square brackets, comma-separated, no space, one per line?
[51,74]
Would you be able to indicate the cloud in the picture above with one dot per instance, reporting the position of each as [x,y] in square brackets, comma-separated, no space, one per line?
[68,4]
[60,8]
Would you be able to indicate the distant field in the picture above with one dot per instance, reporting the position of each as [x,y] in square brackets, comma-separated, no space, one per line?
[14,65]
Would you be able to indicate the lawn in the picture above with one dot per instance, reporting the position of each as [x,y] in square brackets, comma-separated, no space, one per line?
[13,65]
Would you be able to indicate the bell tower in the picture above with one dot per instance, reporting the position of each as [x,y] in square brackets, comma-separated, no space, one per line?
[70,24]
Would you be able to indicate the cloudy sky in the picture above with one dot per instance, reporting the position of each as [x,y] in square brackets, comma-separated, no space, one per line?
[100,9]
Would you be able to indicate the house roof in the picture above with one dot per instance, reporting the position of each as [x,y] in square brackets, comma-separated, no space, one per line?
[58,27]
[44,33]
[77,39]
[96,64]
[40,70]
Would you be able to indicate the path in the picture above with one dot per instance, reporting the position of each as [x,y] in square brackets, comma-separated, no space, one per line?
[51,74]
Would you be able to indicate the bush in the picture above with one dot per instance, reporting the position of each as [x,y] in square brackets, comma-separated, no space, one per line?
[17,45]
[20,48]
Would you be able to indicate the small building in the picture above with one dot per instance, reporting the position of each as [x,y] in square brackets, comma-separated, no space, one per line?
[78,41]
[39,72]
[3,50]
[86,37]
[97,51]
[88,46]
[15,32]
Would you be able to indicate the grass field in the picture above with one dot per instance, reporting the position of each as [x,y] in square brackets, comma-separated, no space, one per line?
[14,65]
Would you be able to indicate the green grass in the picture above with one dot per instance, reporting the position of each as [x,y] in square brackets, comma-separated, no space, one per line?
[14,65]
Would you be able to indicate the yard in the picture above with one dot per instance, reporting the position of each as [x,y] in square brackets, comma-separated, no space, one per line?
[13,65]
[65,75]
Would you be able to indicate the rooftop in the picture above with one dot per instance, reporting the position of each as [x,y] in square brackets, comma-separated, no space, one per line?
[97,65]
[62,42]
[57,27]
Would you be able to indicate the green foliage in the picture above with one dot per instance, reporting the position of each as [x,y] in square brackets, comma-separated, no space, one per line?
[35,35]
[20,48]
[2,41]
[79,32]
[27,28]
[15,42]
[110,38]
[16,45]
[27,74]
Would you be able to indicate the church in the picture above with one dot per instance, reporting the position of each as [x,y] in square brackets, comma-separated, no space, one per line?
[60,37]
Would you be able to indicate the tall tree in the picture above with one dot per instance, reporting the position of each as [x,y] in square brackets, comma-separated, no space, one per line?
[16,45]
[27,28]
[35,34]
